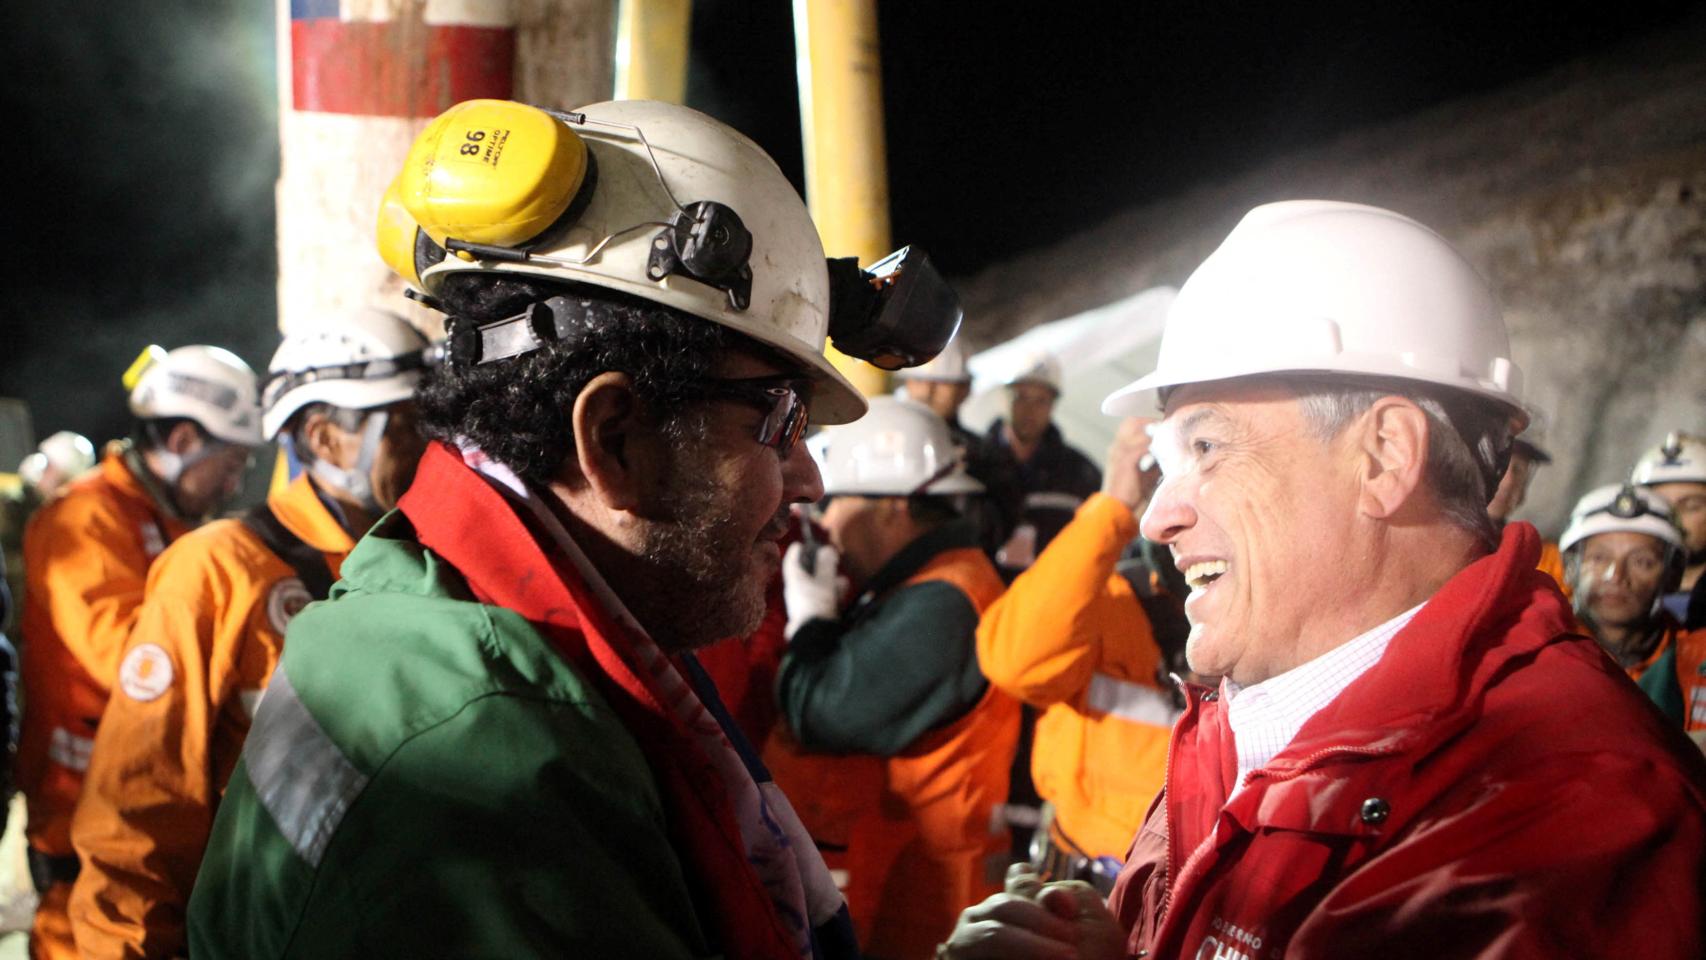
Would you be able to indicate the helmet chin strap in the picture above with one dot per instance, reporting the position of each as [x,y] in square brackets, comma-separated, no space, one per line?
[167,466]
[357,481]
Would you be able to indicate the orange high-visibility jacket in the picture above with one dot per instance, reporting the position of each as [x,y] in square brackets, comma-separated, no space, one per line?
[913,828]
[1687,653]
[86,558]
[1552,564]
[199,658]
[1070,636]
[930,848]
[939,805]
[1691,676]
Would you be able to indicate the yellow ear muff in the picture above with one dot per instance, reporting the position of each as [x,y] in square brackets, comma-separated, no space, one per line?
[491,171]
[395,233]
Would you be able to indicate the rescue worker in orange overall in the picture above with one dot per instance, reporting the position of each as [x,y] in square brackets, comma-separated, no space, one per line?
[43,476]
[890,683]
[86,559]
[1071,636]
[1528,452]
[211,629]
[1623,552]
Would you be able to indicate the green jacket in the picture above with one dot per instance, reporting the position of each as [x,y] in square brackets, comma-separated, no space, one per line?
[1660,684]
[902,661]
[426,777]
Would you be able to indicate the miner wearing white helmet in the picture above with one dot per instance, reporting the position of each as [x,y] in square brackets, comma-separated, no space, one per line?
[884,689]
[340,395]
[1622,552]
[43,476]
[58,460]
[1528,452]
[86,559]
[197,425]
[636,307]
[1053,477]
[1676,470]
[1411,743]
[943,385]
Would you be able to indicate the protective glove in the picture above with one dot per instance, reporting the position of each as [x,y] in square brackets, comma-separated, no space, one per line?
[809,594]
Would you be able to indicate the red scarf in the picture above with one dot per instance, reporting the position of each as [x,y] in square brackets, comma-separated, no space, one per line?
[458,515]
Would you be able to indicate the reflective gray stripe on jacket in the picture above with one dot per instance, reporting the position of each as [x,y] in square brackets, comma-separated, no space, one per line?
[300,776]
[1136,702]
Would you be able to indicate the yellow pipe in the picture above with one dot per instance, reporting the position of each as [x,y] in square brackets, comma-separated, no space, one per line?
[841,116]
[651,49]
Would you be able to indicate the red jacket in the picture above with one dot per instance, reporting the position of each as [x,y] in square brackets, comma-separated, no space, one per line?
[1494,787]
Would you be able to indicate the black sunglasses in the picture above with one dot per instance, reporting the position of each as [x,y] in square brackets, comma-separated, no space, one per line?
[780,397]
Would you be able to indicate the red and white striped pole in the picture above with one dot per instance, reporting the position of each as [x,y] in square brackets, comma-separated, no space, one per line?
[359,78]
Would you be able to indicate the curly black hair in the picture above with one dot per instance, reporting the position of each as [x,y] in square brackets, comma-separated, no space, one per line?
[518,410]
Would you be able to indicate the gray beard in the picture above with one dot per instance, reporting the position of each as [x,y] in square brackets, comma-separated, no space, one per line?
[697,562]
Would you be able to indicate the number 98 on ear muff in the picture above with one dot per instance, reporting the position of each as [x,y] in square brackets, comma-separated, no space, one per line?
[492,172]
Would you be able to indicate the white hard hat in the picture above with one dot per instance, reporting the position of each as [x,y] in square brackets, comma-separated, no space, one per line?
[898,449]
[69,452]
[1043,368]
[1681,458]
[209,385]
[1316,286]
[1621,508]
[32,467]
[370,358]
[601,197]
[949,366]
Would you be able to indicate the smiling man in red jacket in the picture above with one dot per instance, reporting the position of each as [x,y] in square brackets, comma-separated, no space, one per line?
[1412,752]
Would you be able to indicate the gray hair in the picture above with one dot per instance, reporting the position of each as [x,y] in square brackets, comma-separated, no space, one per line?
[1469,440]
[350,420]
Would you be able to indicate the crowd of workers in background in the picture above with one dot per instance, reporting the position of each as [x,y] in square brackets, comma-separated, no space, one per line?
[593,680]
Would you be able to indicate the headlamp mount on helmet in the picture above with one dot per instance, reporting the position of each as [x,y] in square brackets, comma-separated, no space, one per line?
[1628,505]
[897,313]
[1672,448]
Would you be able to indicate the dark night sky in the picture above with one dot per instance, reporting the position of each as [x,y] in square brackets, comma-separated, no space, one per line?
[145,144]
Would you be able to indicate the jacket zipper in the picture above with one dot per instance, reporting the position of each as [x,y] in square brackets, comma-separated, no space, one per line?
[1191,707]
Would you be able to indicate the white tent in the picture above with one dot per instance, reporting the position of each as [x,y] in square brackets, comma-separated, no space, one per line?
[1100,351]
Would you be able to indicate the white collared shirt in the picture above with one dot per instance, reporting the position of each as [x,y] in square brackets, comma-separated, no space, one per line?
[1266,716]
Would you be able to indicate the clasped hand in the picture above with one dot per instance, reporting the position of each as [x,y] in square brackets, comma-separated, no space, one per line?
[1032,920]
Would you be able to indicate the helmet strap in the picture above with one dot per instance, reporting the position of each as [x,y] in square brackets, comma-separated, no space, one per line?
[357,482]
[160,476]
